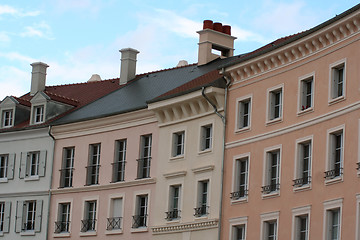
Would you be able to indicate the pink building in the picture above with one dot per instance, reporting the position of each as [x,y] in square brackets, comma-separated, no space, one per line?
[292,139]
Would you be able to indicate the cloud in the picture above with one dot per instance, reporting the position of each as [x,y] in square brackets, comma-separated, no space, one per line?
[4,37]
[92,6]
[41,30]
[14,56]
[13,81]
[6,9]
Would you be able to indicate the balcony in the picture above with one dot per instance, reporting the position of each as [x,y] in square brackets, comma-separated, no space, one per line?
[118,171]
[114,223]
[143,170]
[302,181]
[88,225]
[62,227]
[171,215]
[239,194]
[139,221]
[201,211]
[270,188]
[66,176]
[337,172]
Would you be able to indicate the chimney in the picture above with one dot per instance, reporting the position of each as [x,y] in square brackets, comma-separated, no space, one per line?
[94,78]
[215,36]
[38,77]
[128,64]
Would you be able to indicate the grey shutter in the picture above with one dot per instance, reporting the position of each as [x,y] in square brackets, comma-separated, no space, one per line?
[7,217]
[42,163]
[11,164]
[38,215]
[23,164]
[19,216]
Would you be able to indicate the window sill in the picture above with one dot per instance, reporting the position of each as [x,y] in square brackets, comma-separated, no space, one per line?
[336,100]
[202,217]
[31,178]
[271,195]
[62,235]
[27,233]
[88,233]
[305,111]
[274,121]
[209,150]
[139,229]
[178,157]
[241,130]
[334,180]
[3,180]
[175,220]
[302,188]
[113,232]
[240,200]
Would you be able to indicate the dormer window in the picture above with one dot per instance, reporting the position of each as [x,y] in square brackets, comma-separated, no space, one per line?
[7,118]
[38,114]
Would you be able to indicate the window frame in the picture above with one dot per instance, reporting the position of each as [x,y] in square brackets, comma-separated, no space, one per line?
[4,166]
[302,108]
[36,114]
[266,170]
[178,148]
[201,203]
[117,219]
[333,70]
[144,160]
[173,213]
[85,213]
[7,122]
[298,213]
[330,206]
[235,180]
[267,218]
[239,124]
[30,163]
[94,159]
[65,168]
[206,141]
[60,215]
[137,211]
[118,171]
[270,110]
[234,223]
[299,163]
[330,161]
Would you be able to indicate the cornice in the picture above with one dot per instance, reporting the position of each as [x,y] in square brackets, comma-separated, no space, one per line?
[25,134]
[138,182]
[203,169]
[175,174]
[25,194]
[184,227]
[296,51]
[106,124]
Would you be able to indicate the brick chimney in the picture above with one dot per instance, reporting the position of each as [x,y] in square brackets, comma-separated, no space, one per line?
[215,36]
[128,64]
[38,77]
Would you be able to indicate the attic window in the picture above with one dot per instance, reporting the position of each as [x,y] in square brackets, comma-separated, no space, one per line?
[38,114]
[7,118]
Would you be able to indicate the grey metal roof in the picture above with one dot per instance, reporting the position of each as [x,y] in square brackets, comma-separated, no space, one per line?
[136,93]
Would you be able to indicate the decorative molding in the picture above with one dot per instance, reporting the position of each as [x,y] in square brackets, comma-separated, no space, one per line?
[203,169]
[184,227]
[25,194]
[175,174]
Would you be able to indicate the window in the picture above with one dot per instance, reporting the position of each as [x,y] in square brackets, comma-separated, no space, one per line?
[174,203]
[272,172]
[63,221]
[67,169]
[275,104]
[93,167]
[2,216]
[38,114]
[244,111]
[115,220]
[120,160]
[301,223]
[238,228]
[337,80]
[145,157]
[32,164]
[89,222]
[178,144]
[7,118]
[269,226]
[240,189]
[5,208]
[202,199]
[332,219]
[335,157]
[3,165]
[239,232]
[303,164]
[140,217]
[33,167]
[206,137]
[28,216]
[30,211]
[306,93]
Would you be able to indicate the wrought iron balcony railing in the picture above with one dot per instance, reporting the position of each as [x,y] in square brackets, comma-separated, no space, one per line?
[28,226]
[171,215]
[239,194]
[143,170]
[114,223]
[302,181]
[139,221]
[66,177]
[333,173]
[62,227]
[201,211]
[88,225]
[270,188]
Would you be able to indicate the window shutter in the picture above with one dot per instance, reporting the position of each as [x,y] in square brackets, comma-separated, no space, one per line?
[11,163]
[38,215]
[272,106]
[42,163]
[19,215]
[7,217]
[23,164]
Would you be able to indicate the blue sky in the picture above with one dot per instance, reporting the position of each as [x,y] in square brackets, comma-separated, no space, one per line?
[78,38]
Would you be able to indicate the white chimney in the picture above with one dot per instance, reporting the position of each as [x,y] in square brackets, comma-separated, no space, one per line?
[128,64]
[38,77]
[94,78]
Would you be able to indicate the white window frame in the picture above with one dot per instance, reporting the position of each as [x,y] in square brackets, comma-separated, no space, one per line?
[144,157]
[267,218]
[70,168]
[93,155]
[235,180]
[7,122]
[332,97]
[119,160]
[170,204]
[270,105]
[41,114]
[328,207]
[30,163]
[204,137]
[302,95]
[135,209]
[296,213]
[84,213]
[329,153]
[2,217]
[199,197]
[239,124]
[266,165]
[63,201]
[176,144]
[110,213]
[298,161]
[235,222]
[4,158]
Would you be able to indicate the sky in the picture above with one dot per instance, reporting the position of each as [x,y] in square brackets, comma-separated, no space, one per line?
[78,38]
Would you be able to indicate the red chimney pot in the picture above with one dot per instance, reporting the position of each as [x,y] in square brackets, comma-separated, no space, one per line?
[208,24]
[227,29]
[218,27]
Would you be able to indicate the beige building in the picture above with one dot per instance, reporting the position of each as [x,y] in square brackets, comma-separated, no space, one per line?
[292,138]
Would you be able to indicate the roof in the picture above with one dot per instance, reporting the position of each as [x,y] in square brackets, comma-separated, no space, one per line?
[145,87]
[287,40]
